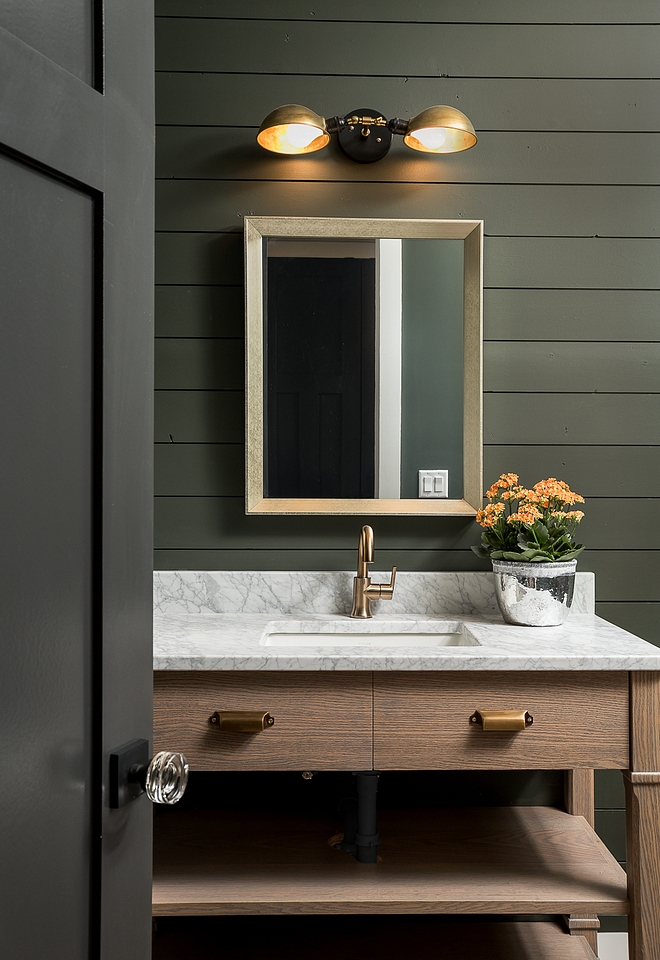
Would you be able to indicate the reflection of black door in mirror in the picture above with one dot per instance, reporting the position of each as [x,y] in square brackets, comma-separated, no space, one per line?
[320,390]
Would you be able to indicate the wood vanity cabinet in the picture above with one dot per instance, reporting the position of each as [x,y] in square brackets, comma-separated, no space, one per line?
[515,860]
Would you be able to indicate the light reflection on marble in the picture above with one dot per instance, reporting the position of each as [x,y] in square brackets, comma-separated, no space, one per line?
[222,621]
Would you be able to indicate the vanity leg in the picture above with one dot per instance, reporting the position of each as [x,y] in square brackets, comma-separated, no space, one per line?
[579,794]
[579,800]
[643,817]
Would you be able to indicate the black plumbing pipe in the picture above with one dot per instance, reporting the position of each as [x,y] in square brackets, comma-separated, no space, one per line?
[367,838]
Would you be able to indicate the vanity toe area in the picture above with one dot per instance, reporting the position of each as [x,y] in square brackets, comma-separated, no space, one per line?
[434,683]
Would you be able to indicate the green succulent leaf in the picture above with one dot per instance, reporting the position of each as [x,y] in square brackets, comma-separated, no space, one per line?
[526,555]
[482,552]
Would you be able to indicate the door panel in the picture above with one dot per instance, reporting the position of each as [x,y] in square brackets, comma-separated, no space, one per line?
[76,375]
[62,30]
[46,358]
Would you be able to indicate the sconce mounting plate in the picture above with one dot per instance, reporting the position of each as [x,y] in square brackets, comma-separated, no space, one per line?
[365,138]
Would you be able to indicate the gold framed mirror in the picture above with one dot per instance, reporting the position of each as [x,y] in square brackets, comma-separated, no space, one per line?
[364,366]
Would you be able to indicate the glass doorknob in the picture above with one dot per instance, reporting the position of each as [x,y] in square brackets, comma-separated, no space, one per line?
[163,778]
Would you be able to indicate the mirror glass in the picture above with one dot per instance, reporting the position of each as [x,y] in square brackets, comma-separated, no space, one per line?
[364,366]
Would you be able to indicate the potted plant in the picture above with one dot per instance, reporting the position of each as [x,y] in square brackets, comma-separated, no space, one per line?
[529,535]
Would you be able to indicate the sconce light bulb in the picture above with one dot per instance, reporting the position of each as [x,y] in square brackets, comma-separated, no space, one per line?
[440,129]
[432,137]
[300,135]
[293,129]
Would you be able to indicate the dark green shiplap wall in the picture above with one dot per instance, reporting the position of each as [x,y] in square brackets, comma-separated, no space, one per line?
[565,175]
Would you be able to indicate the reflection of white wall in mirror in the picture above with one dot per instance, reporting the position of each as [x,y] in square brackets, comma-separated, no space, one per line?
[388,373]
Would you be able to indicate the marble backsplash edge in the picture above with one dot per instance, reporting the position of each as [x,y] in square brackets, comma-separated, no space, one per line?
[271,593]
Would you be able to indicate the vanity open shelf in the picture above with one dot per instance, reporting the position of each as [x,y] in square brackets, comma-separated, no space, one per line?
[494,860]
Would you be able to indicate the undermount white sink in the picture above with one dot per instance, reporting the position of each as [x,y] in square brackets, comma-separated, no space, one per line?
[370,635]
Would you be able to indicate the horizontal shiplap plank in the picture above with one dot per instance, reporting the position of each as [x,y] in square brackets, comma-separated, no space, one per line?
[630,575]
[204,311]
[228,153]
[593,471]
[421,49]
[621,524]
[534,366]
[508,210]
[572,262]
[199,416]
[192,364]
[199,469]
[217,522]
[555,367]
[509,314]
[642,619]
[423,11]
[616,315]
[520,262]
[424,558]
[244,99]
[208,416]
[217,469]
[572,418]
[200,258]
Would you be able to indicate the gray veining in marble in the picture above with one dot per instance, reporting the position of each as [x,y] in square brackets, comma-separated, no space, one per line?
[226,621]
[427,594]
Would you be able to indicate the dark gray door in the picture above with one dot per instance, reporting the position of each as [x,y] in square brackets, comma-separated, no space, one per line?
[76,229]
[320,412]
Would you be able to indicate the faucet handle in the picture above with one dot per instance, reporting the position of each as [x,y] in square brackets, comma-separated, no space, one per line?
[387,589]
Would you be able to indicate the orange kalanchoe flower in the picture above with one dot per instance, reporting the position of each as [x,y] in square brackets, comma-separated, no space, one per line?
[553,489]
[490,514]
[535,525]
[576,515]
[505,481]
[526,515]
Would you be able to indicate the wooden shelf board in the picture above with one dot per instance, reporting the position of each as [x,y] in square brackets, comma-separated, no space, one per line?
[390,938]
[499,860]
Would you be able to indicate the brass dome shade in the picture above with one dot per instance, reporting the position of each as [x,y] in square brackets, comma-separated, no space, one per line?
[440,129]
[293,129]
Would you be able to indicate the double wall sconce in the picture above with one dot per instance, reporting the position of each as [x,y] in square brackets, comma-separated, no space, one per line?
[365,135]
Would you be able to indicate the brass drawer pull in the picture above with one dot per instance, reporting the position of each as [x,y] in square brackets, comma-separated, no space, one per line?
[502,719]
[242,721]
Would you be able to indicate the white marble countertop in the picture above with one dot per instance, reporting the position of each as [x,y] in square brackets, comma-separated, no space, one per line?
[235,621]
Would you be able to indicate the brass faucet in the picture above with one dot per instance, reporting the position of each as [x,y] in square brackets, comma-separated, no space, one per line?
[364,591]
